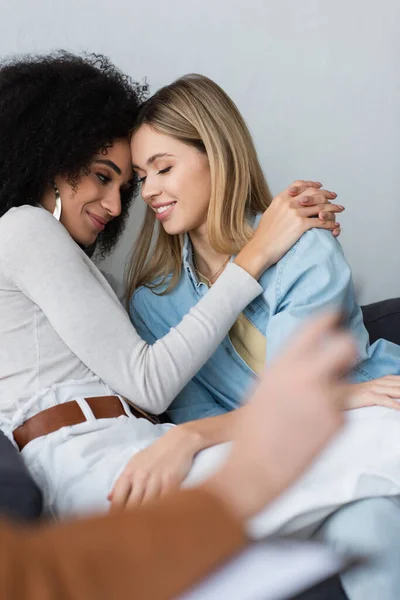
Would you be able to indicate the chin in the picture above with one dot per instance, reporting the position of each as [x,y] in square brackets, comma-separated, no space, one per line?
[173,229]
[90,241]
[85,240]
[178,227]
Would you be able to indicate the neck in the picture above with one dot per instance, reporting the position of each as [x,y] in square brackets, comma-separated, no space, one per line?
[207,260]
[48,200]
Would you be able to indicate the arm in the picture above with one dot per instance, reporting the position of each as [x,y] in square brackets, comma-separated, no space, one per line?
[213,430]
[313,276]
[164,465]
[279,228]
[117,556]
[195,401]
[87,315]
[302,285]
[305,286]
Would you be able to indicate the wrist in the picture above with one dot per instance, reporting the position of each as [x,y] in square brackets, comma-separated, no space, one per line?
[187,437]
[253,259]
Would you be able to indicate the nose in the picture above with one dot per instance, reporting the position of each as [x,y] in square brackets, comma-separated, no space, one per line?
[150,190]
[112,202]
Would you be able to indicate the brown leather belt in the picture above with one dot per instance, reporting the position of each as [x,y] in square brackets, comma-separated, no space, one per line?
[70,413]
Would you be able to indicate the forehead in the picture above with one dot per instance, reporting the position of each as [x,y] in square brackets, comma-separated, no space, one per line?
[146,142]
[120,154]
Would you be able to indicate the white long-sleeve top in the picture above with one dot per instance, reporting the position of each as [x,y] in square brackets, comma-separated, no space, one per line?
[60,320]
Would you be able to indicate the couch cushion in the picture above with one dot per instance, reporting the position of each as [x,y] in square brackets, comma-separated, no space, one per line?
[382,319]
[19,495]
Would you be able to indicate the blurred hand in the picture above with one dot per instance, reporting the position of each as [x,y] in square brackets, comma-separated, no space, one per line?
[294,412]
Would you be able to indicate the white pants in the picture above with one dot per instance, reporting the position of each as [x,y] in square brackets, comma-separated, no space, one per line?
[368,527]
[77,466]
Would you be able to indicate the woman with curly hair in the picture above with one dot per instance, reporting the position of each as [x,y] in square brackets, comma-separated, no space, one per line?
[69,352]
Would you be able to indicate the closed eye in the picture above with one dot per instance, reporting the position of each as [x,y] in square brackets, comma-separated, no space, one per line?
[163,171]
[103,178]
[141,180]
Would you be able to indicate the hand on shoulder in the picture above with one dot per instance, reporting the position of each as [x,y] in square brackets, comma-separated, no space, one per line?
[299,208]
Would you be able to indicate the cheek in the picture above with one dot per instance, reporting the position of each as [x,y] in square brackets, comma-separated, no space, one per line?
[87,194]
[75,204]
[194,190]
[202,192]
[73,198]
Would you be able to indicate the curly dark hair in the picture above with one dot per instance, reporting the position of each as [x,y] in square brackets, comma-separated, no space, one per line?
[56,112]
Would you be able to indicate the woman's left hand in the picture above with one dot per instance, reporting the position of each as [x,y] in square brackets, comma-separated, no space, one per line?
[154,471]
[384,391]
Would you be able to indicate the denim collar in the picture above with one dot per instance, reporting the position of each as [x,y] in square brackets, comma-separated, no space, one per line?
[187,254]
[187,262]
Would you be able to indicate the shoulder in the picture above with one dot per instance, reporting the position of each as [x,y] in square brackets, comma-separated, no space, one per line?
[313,239]
[154,289]
[27,233]
[29,223]
[317,263]
[146,295]
[22,216]
[314,248]
[319,240]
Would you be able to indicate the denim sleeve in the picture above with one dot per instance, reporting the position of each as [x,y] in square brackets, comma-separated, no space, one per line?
[140,323]
[195,401]
[312,277]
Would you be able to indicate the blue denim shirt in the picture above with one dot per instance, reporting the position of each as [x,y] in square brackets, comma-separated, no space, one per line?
[313,275]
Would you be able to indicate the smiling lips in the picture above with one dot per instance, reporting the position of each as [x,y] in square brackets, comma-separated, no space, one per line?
[97,221]
[163,210]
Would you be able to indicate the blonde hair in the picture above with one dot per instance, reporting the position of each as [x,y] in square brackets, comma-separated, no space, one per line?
[197,112]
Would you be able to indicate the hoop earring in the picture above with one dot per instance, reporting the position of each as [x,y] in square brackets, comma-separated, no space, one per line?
[57,210]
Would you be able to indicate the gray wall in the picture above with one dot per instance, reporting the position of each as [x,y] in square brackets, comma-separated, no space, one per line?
[317,80]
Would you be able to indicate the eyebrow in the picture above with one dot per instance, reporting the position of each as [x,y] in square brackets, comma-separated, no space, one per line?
[110,164]
[153,158]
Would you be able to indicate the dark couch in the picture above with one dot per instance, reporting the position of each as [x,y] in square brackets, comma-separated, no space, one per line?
[382,319]
[20,498]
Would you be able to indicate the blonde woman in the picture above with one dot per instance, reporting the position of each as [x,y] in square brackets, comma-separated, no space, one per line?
[202,182]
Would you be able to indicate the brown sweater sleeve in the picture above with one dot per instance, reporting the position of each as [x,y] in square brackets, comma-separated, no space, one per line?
[154,552]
